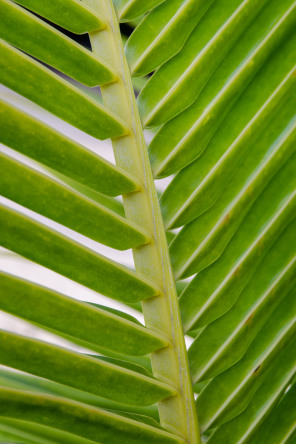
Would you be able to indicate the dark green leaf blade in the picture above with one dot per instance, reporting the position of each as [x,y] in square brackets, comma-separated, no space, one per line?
[242,429]
[214,290]
[223,342]
[203,240]
[229,393]
[280,425]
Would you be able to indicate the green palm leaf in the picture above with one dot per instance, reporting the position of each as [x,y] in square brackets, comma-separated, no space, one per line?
[221,90]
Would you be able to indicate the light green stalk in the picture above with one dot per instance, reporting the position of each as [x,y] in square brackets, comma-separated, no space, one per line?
[170,364]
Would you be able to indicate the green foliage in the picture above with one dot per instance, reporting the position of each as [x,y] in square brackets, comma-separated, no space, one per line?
[221,92]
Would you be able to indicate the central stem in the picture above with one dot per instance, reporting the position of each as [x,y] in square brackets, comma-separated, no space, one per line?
[161,313]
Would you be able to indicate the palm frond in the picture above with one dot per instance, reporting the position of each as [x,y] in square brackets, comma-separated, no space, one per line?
[221,93]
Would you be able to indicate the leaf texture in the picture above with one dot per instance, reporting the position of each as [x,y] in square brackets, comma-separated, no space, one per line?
[92,424]
[80,321]
[50,180]
[81,372]
[193,129]
[243,428]
[236,328]
[219,87]
[283,413]
[268,156]
[229,393]
[214,290]
[34,240]
[71,14]
[65,187]
[180,203]
[130,9]
[90,71]
[188,72]
[153,42]
[85,167]
[69,208]
[56,95]
[226,105]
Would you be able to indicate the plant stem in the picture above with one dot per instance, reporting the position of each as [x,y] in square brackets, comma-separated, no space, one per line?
[161,313]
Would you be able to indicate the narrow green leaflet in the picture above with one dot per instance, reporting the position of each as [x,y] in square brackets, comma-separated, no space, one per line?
[78,320]
[127,364]
[69,14]
[141,418]
[20,28]
[180,202]
[241,429]
[117,312]
[214,290]
[80,371]
[52,436]
[189,133]
[229,393]
[280,425]
[35,190]
[129,9]
[222,343]
[188,72]
[202,241]
[24,381]
[154,40]
[18,431]
[95,424]
[49,248]
[21,73]
[46,145]
[109,202]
